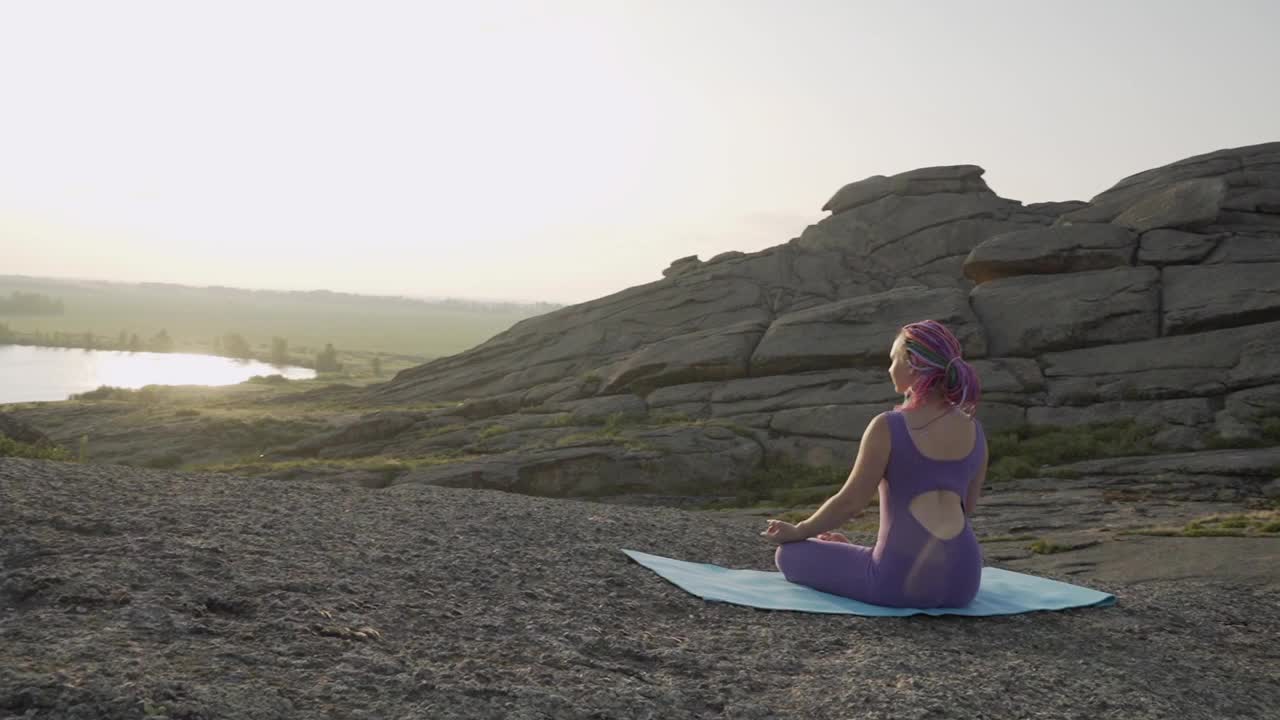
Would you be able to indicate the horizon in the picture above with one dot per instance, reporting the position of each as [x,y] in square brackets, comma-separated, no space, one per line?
[239,288]
[564,151]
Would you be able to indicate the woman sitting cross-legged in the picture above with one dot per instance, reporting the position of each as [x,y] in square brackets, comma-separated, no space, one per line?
[928,458]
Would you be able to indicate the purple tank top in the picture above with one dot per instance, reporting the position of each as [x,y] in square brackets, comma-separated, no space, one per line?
[913,565]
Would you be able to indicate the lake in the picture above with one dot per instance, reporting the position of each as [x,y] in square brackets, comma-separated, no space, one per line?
[39,373]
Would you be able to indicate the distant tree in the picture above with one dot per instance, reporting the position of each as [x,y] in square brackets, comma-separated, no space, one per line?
[88,341]
[234,345]
[135,343]
[6,335]
[122,340]
[279,351]
[377,365]
[162,343]
[327,359]
[217,346]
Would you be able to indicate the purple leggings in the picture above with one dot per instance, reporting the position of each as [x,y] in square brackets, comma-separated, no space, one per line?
[909,566]
[945,574]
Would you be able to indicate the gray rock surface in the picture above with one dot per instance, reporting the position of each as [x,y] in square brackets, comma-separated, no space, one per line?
[682,265]
[1258,464]
[195,596]
[1203,364]
[1051,250]
[1173,247]
[859,331]
[1246,249]
[1251,166]
[717,354]
[1189,203]
[923,181]
[1209,297]
[1029,315]
[604,408]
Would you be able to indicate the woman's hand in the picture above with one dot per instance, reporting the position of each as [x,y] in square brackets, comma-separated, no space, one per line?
[783,532]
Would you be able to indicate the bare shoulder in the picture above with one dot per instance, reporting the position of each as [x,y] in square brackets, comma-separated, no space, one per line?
[877,434]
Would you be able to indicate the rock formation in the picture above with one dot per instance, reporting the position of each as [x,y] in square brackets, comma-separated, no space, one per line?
[1158,300]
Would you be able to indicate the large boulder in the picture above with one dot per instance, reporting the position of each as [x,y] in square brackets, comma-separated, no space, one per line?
[682,265]
[786,348]
[923,181]
[1207,297]
[1255,166]
[715,354]
[1190,203]
[1051,250]
[770,394]
[859,332]
[1202,364]
[1029,315]
[1175,247]
[842,422]
[1245,249]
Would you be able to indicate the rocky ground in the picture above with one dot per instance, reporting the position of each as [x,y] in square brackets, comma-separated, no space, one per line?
[129,593]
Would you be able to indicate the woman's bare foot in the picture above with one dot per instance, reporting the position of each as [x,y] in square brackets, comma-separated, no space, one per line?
[834,537]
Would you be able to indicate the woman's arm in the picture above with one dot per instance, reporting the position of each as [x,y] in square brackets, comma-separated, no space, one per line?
[864,479]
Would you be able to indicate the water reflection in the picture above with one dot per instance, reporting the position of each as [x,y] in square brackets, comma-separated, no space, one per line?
[38,373]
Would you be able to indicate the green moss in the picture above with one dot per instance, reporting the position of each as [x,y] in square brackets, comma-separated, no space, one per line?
[558,420]
[588,438]
[1248,524]
[1047,547]
[1010,467]
[1023,452]
[442,430]
[493,431]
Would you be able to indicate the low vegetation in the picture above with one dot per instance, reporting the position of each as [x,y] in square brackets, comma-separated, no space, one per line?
[12,448]
[1268,435]
[1048,547]
[1257,523]
[1027,451]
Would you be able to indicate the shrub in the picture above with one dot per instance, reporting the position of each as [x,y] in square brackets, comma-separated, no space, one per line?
[149,395]
[12,448]
[1022,452]
[275,379]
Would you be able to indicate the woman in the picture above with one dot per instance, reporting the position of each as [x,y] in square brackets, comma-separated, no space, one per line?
[928,457]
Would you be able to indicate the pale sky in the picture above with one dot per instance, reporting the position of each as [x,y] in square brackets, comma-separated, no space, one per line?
[562,150]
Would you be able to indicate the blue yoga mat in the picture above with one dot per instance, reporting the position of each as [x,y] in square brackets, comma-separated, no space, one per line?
[1001,592]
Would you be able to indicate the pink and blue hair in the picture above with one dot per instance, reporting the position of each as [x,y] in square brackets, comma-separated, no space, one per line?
[935,354]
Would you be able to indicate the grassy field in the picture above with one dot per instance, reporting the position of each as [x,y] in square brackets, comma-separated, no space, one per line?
[193,317]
